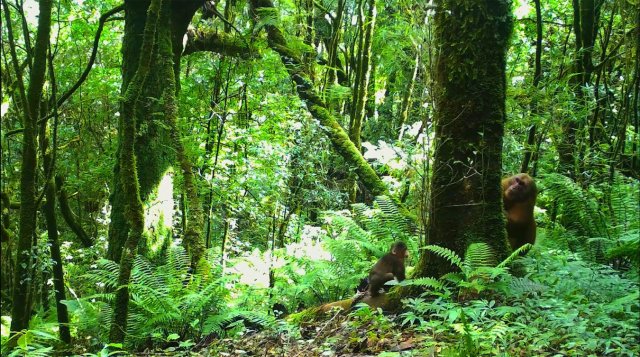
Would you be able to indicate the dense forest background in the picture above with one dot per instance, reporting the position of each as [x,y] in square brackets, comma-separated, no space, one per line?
[187,176]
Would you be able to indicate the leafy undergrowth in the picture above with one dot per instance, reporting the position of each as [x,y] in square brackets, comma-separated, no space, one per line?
[561,306]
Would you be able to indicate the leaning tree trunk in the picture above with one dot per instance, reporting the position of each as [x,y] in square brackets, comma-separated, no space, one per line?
[21,309]
[318,109]
[466,199]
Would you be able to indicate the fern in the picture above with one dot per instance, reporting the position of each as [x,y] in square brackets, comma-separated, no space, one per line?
[392,216]
[579,211]
[218,324]
[515,254]
[478,255]
[524,286]
[162,301]
[425,282]
[447,254]
[607,221]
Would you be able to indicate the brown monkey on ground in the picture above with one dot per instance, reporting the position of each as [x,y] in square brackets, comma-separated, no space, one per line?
[390,266]
[519,197]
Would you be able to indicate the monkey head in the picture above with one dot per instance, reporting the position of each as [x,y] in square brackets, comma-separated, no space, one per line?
[399,250]
[518,188]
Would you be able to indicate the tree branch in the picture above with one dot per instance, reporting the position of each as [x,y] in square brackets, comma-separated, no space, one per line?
[222,43]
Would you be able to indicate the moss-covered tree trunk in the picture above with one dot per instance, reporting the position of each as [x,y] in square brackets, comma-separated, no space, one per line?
[318,109]
[134,212]
[152,47]
[49,211]
[193,238]
[361,83]
[153,155]
[466,200]
[21,297]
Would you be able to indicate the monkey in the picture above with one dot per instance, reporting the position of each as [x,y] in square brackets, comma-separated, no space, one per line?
[519,197]
[390,266]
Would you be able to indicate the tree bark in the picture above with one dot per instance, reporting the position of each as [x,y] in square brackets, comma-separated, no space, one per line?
[21,309]
[466,198]
[134,214]
[193,238]
[153,155]
[68,215]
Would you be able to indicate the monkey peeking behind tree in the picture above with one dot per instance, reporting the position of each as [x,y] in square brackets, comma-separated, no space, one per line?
[390,266]
[519,197]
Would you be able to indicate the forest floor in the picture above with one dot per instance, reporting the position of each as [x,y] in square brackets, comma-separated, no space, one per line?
[561,306]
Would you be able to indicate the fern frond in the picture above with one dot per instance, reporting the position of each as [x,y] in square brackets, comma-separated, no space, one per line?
[524,286]
[446,253]
[143,274]
[515,254]
[105,273]
[478,255]
[580,212]
[392,215]
[350,228]
[217,323]
[178,260]
[428,282]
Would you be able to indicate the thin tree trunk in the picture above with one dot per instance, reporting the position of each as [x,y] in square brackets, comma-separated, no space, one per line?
[49,209]
[585,21]
[530,147]
[21,309]
[68,215]
[406,99]
[361,84]
[332,47]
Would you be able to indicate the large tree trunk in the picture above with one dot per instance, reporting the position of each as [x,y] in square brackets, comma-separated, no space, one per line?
[153,155]
[466,198]
[144,158]
[128,175]
[21,309]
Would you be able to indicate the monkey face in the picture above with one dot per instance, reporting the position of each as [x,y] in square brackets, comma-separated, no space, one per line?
[520,187]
